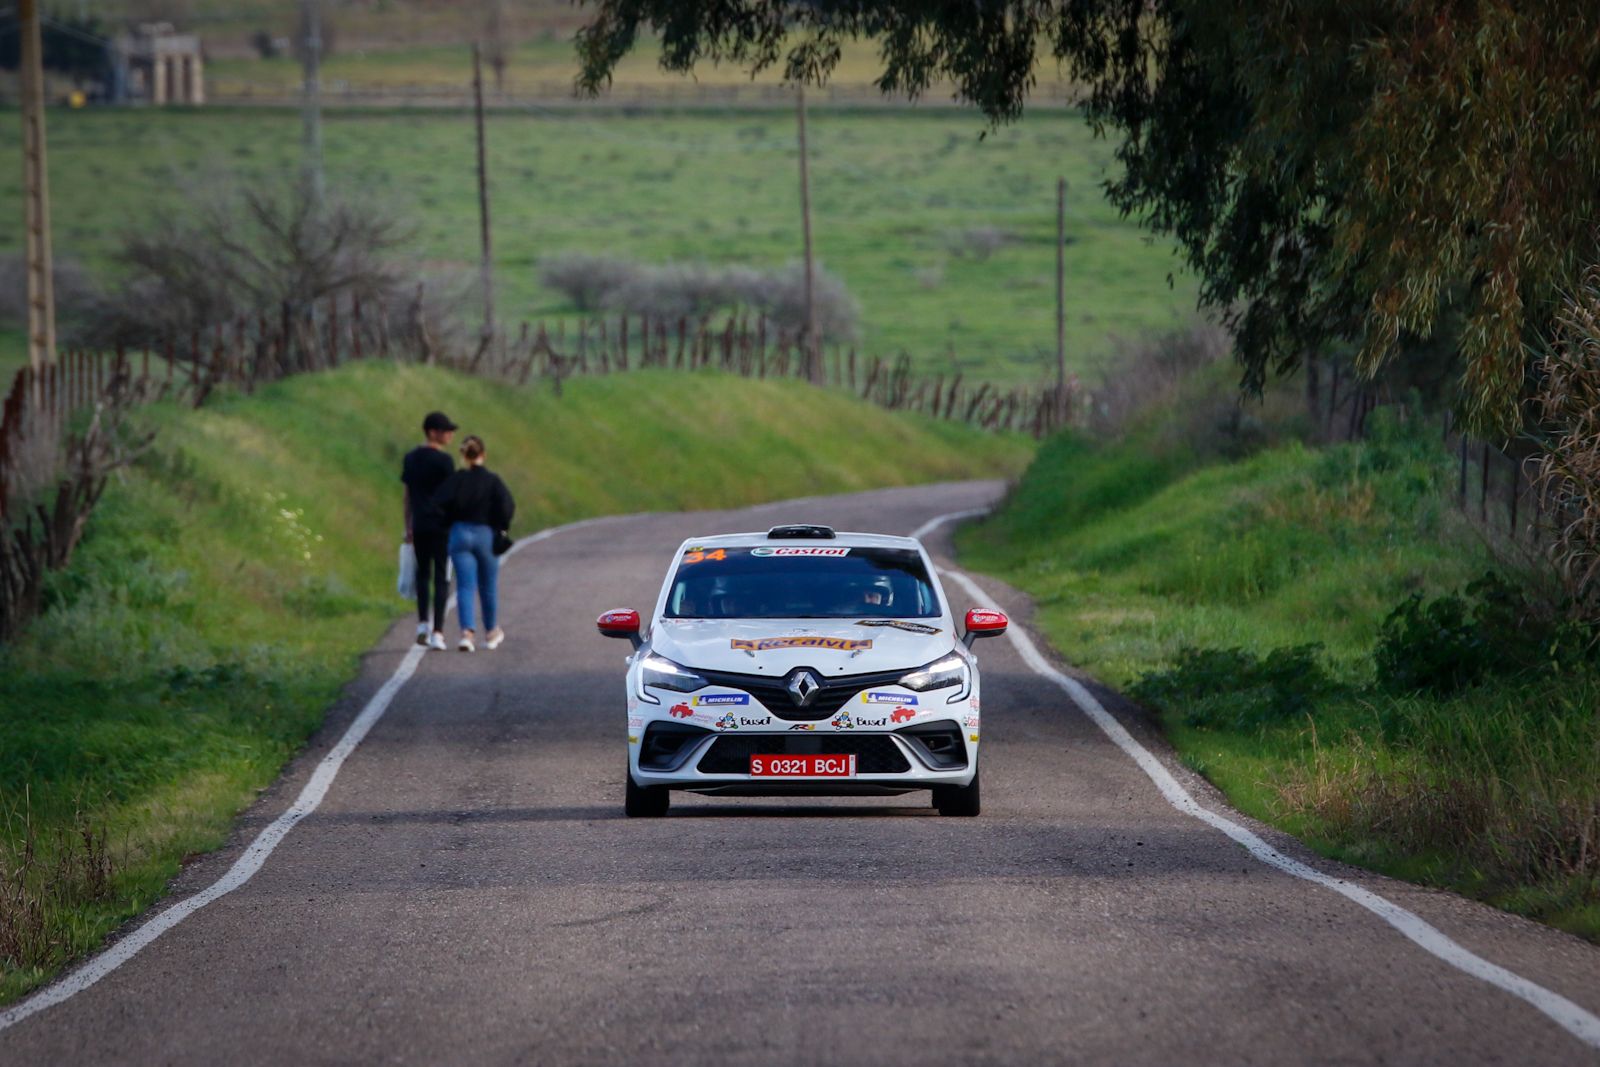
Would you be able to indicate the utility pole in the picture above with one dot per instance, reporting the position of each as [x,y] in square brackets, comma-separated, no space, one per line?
[486,267]
[311,103]
[813,349]
[1061,300]
[36,194]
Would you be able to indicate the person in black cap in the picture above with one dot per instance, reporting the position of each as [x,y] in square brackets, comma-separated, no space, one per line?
[425,469]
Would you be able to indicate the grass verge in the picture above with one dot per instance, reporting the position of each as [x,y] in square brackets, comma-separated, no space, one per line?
[1244,599]
[230,581]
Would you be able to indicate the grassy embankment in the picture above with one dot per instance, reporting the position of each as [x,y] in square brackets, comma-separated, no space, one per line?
[231,579]
[893,193]
[1140,547]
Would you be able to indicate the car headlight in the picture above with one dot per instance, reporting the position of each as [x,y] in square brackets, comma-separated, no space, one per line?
[661,672]
[952,670]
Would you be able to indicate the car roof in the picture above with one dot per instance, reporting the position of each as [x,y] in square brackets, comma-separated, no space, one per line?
[840,539]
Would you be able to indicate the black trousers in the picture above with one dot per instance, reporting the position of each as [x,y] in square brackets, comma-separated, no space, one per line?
[433,561]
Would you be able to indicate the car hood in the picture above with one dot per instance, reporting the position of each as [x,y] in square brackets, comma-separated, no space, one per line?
[776,646]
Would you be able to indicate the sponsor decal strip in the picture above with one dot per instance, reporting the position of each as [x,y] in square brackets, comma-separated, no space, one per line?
[766,644]
[807,551]
[1576,1020]
[256,853]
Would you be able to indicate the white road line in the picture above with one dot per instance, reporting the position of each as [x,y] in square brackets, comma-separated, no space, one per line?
[1582,1024]
[246,866]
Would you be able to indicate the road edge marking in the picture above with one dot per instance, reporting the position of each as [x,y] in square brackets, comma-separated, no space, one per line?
[255,854]
[1576,1020]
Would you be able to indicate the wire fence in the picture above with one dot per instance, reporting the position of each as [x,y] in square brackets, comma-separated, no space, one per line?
[256,349]
[560,94]
[1492,485]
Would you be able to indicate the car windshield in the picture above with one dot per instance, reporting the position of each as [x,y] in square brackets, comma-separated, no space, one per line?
[802,582]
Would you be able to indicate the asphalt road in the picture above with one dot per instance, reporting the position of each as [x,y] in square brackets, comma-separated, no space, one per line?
[469,892]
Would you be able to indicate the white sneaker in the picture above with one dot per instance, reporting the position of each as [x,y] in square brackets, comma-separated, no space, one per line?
[496,636]
[436,642]
[422,633]
[466,645]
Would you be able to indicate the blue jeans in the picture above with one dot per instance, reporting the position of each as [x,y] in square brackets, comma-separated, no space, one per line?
[477,567]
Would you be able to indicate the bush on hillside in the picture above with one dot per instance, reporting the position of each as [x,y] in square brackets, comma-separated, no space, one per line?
[1235,688]
[1493,627]
[1145,373]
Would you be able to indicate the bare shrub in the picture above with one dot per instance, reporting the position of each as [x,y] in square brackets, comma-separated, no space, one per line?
[675,290]
[979,242]
[1567,465]
[244,250]
[780,296]
[76,293]
[586,279]
[699,290]
[1146,372]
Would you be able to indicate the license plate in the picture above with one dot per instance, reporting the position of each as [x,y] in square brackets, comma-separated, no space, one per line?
[809,765]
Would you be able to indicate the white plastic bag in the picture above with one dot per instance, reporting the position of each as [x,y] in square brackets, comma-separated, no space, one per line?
[406,586]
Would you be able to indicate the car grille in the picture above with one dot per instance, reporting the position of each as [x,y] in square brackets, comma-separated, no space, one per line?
[874,753]
[774,692]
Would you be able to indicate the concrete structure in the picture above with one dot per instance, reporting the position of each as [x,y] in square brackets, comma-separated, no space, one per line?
[159,65]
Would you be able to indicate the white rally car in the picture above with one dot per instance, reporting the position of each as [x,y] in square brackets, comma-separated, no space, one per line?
[802,662]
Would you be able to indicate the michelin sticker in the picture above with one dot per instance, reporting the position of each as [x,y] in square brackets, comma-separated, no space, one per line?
[878,697]
[716,700]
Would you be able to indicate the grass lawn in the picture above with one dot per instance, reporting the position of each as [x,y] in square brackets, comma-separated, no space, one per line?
[893,192]
[231,579]
[1137,549]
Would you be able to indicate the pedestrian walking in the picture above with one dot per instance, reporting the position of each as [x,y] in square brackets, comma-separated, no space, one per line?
[479,508]
[423,471]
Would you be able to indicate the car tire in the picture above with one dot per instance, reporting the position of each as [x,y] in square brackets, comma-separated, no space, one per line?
[959,800]
[644,802]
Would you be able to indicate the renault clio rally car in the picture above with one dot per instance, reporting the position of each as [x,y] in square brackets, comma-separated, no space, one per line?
[802,662]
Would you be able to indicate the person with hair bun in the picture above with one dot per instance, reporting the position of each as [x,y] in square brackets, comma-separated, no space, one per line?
[479,508]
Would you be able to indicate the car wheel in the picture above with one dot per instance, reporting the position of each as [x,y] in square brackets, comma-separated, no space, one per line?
[644,802]
[957,799]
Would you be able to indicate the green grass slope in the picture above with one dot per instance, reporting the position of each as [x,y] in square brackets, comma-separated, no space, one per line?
[232,577]
[1138,549]
[892,193]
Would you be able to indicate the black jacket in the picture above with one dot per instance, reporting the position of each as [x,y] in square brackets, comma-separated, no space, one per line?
[475,494]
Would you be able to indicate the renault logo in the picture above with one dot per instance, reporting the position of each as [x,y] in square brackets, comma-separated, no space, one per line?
[803,686]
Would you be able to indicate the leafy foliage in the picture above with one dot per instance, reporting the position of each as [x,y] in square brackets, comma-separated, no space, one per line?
[1567,467]
[1372,171]
[1493,628]
[1234,688]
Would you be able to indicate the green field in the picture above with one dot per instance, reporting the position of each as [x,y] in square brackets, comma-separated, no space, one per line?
[1140,547]
[893,192]
[231,579]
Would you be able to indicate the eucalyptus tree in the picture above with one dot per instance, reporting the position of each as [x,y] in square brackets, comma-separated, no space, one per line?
[1374,172]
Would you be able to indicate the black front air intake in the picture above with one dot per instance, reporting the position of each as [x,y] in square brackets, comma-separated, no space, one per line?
[937,744]
[666,745]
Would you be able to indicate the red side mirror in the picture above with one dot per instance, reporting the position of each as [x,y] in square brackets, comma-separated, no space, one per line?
[619,622]
[985,622]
